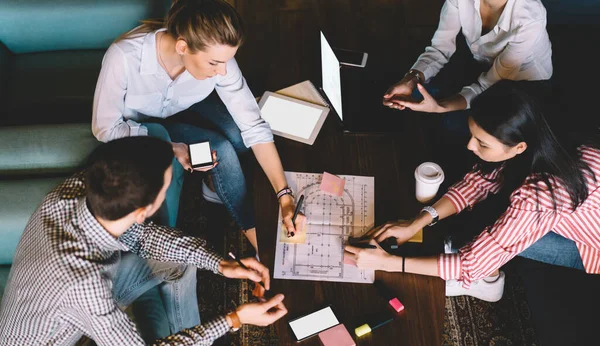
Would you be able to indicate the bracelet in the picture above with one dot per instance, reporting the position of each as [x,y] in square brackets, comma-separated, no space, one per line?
[403,259]
[285,191]
[415,74]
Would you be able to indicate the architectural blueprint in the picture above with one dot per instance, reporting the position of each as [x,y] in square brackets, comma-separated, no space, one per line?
[330,220]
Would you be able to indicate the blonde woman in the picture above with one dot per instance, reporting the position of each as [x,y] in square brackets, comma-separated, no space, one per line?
[178,80]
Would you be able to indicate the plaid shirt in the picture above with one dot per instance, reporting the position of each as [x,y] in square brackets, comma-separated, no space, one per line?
[60,285]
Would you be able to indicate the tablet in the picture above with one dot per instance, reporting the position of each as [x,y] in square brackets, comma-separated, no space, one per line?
[292,118]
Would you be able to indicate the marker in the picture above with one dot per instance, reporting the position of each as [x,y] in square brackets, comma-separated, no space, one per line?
[366,328]
[298,206]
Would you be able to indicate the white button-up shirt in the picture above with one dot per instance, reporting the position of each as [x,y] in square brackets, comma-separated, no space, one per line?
[133,87]
[517,48]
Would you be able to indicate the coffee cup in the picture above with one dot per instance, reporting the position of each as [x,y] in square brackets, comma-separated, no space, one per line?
[428,177]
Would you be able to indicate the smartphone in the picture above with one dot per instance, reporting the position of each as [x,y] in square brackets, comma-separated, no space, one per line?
[351,57]
[200,154]
[312,324]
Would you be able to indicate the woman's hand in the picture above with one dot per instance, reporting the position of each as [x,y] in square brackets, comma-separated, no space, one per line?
[375,259]
[402,231]
[428,104]
[182,154]
[288,206]
[399,91]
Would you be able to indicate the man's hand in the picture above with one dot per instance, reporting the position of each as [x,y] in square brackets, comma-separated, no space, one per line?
[263,313]
[256,271]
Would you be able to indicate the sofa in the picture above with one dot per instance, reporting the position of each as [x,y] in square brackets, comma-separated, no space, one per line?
[50,57]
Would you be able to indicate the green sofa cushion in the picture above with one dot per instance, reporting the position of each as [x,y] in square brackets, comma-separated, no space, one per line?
[46,25]
[51,87]
[44,149]
[24,196]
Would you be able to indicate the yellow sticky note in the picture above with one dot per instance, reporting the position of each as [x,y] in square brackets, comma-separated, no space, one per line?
[417,238]
[298,238]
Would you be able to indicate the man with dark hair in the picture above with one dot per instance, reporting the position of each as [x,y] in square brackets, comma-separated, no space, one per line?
[87,252]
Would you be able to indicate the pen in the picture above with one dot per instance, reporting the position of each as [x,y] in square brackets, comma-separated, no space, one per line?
[298,206]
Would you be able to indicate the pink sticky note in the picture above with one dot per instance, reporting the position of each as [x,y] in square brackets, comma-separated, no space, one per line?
[348,260]
[336,336]
[332,184]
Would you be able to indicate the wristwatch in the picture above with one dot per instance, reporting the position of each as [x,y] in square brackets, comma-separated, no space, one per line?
[235,321]
[433,213]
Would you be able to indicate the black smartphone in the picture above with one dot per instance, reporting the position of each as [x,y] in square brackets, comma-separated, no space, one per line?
[360,243]
[351,57]
[313,323]
[200,154]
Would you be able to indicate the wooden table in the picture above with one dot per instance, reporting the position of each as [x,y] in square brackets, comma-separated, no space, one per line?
[282,48]
[391,159]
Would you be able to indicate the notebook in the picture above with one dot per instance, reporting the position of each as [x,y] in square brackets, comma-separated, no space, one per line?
[296,112]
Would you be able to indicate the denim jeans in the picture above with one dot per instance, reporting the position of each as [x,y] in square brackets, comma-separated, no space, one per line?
[555,249]
[208,120]
[163,295]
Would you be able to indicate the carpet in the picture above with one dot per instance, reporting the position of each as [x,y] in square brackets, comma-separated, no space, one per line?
[469,321]
[218,295]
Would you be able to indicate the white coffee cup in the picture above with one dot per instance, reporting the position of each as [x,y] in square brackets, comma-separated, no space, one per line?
[428,178]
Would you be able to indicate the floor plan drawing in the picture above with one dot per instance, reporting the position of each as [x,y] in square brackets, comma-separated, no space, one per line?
[330,220]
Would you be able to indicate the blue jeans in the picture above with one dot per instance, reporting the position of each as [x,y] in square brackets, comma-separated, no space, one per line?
[208,120]
[555,249]
[163,295]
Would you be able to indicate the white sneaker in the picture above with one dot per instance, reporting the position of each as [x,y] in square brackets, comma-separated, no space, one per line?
[209,195]
[484,289]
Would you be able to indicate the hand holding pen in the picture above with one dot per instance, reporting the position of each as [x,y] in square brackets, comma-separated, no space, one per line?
[258,268]
[293,219]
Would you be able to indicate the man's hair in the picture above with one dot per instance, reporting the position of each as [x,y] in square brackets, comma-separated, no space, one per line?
[126,174]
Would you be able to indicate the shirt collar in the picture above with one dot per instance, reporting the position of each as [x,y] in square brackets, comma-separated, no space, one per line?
[95,231]
[505,18]
[149,61]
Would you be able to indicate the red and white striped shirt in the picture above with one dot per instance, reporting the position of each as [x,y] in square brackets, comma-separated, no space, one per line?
[524,222]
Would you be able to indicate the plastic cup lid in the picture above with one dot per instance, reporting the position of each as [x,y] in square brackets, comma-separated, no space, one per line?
[429,173]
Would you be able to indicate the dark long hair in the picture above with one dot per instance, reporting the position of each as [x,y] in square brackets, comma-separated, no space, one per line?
[526,111]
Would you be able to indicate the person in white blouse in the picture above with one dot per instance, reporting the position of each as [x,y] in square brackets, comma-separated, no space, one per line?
[507,37]
[178,80]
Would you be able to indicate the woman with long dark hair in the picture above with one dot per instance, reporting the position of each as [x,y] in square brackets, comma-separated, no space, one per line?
[547,191]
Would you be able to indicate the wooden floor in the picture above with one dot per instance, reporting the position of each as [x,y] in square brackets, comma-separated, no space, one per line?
[282,49]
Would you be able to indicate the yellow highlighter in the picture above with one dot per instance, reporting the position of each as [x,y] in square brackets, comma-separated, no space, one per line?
[366,328]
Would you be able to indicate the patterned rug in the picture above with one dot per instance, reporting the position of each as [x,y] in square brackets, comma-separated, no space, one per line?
[472,322]
[216,294]
[467,321]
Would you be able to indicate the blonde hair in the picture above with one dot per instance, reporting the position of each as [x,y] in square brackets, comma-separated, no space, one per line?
[199,23]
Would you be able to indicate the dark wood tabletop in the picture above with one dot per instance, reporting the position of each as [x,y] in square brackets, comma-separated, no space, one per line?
[282,49]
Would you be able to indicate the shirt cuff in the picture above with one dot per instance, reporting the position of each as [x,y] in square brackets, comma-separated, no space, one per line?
[449,266]
[212,262]
[423,67]
[457,200]
[469,94]
[136,129]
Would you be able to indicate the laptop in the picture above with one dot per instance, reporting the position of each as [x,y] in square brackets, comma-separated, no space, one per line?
[355,94]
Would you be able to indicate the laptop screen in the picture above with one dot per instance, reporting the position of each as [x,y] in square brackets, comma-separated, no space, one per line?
[330,70]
